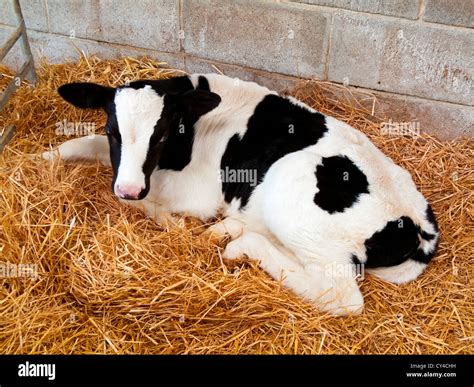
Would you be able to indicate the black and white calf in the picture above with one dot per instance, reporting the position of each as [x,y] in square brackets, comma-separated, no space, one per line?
[317,196]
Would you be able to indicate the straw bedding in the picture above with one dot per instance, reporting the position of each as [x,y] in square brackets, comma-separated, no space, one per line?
[110,280]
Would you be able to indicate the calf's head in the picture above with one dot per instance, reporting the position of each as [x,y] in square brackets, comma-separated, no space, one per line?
[138,122]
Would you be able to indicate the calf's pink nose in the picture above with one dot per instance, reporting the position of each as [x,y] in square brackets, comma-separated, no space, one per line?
[127,191]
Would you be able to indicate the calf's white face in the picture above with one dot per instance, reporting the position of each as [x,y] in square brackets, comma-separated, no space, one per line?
[138,112]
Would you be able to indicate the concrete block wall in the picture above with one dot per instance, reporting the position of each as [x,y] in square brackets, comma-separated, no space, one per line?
[416,55]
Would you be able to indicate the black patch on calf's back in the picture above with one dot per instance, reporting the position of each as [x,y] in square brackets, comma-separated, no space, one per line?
[340,184]
[393,245]
[276,128]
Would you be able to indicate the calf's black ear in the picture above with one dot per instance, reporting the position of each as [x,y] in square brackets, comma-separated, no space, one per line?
[86,95]
[198,102]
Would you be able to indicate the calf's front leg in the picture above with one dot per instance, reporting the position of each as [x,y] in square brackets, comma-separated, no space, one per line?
[153,210]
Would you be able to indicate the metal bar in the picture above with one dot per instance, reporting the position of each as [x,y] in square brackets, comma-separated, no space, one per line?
[6,136]
[15,83]
[10,42]
[24,39]
[28,68]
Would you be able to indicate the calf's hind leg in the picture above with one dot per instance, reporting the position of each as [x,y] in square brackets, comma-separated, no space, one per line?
[338,296]
[92,148]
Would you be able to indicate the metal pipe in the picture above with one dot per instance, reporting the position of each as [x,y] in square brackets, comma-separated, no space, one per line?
[6,136]
[24,40]
[10,42]
[26,70]
[15,83]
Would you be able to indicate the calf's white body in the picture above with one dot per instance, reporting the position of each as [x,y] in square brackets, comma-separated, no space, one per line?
[296,241]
